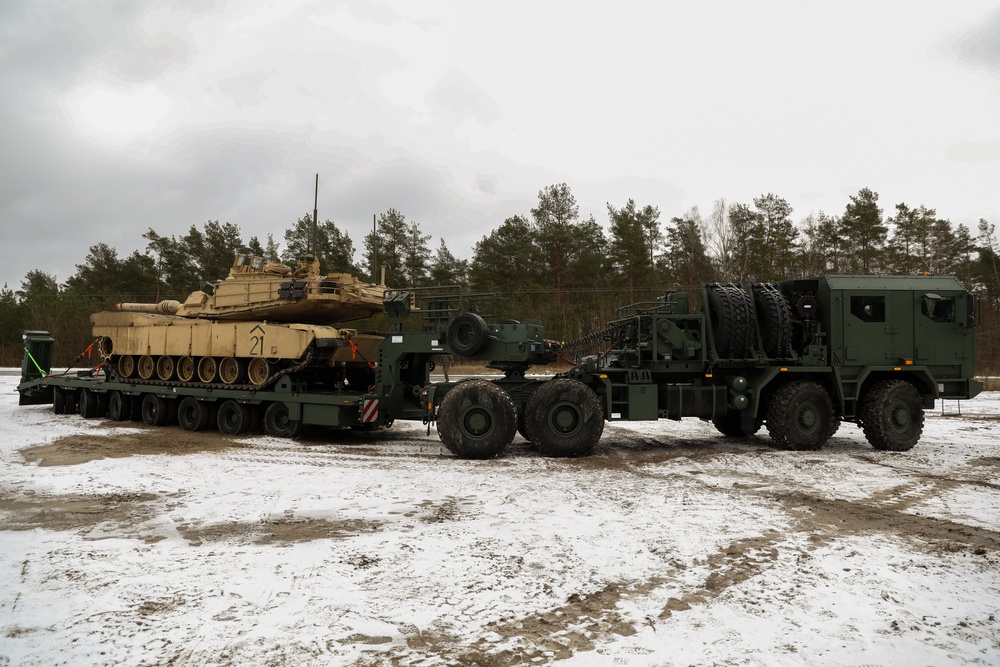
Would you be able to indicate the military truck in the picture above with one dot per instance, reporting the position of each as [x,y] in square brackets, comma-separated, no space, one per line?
[798,357]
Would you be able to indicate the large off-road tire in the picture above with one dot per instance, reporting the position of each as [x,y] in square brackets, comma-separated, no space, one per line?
[467,334]
[156,410]
[892,415]
[799,416]
[194,415]
[775,317]
[59,402]
[476,420]
[734,330]
[234,418]
[120,406]
[731,425]
[564,418]
[277,423]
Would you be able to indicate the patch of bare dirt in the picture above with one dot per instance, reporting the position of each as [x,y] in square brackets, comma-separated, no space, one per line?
[81,513]
[276,530]
[81,448]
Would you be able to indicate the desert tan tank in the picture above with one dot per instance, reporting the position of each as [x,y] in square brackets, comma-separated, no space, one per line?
[263,321]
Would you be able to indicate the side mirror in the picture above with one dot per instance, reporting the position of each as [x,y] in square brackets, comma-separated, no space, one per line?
[970,310]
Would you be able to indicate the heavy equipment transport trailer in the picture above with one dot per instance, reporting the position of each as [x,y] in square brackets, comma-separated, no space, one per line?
[281,410]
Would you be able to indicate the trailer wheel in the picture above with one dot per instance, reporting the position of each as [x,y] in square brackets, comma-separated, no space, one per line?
[233,418]
[564,418]
[775,317]
[892,415]
[59,401]
[476,420]
[156,410]
[119,406]
[799,416]
[467,334]
[277,423]
[729,310]
[194,415]
[90,404]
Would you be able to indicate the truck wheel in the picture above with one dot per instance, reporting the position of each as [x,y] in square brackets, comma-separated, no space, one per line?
[277,423]
[155,410]
[233,418]
[194,415]
[731,425]
[799,416]
[59,401]
[892,415]
[775,317]
[476,420]
[729,310]
[564,418]
[119,406]
[467,334]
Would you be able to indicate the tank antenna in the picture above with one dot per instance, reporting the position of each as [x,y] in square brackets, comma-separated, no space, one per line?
[312,239]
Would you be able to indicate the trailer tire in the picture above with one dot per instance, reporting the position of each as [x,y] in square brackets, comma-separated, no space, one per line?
[59,401]
[119,406]
[467,334]
[277,423]
[729,310]
[156,410]
[90,404]
[775,317]
[194,415]
[800,415]
[564,418]
[476,420]
[233,418]
[892,416]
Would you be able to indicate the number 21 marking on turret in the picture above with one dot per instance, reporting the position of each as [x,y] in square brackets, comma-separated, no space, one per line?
[257,342]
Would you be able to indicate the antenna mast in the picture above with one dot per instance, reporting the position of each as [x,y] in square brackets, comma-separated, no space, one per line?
[312,239]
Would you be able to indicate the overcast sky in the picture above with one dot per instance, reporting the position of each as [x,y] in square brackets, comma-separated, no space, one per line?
[120,116]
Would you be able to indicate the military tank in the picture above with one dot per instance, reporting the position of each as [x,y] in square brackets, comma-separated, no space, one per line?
[263,321]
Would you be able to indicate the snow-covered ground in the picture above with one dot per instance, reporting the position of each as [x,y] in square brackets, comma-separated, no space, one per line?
[670,546]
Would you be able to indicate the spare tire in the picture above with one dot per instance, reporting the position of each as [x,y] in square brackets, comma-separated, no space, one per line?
[775,317]
[467,334]
[729,308]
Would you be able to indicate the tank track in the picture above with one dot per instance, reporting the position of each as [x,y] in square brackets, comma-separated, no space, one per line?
[306,361]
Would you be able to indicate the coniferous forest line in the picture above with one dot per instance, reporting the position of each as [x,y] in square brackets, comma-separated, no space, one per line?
[571,273]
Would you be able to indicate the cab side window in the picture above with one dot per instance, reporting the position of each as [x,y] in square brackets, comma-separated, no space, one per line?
[938,308]
[868,308]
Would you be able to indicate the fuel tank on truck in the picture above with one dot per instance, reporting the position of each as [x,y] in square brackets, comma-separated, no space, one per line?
[263,321]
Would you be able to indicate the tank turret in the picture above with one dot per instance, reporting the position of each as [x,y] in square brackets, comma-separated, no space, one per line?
[264,320]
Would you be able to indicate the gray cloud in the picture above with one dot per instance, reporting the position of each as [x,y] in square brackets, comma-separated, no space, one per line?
[981,45]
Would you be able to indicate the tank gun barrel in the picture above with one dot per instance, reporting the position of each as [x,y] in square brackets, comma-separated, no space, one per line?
[165,307]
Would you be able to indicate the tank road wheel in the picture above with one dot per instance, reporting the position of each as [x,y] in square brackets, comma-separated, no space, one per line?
[799,416]
[258,370]
[476,420]
[231,370]
[207,369]
[233,418]
[165,367]
[126,366]
[185,369]
[146,367]
[120,406]
[467,334]
[729,310]
[194,415]
[156,410]
[775,321]
[59,401]
[564,418]
[892,415]
[277,423]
